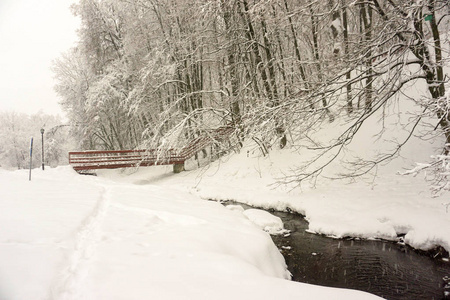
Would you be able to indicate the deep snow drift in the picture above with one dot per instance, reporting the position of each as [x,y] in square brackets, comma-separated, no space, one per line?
[66,236]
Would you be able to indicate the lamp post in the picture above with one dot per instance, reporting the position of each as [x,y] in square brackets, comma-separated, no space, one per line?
[42,135]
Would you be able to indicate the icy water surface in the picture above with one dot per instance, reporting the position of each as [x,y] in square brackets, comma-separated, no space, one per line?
[387,269]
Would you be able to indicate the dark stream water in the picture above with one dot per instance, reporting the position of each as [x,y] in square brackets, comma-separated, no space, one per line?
[386,269]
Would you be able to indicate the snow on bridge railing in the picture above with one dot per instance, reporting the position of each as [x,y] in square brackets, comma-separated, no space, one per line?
[112,159]
[91,160]
[208,138]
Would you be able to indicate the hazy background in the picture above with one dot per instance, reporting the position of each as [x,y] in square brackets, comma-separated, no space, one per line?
[32,34]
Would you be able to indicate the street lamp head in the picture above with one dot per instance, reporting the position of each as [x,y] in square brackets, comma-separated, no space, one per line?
[42,130]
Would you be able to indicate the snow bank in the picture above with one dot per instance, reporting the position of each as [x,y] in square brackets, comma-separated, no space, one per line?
[265,220]
[66,236]
[384,208]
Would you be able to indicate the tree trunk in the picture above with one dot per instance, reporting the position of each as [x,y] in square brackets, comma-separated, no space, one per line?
[346,57]
[366,16]
[436,80]
[231,52]
[314,27]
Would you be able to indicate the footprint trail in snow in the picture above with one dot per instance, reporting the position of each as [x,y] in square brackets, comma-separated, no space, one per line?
[71,280]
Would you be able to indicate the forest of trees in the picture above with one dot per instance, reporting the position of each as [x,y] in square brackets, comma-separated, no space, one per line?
[15,137]
[156,73]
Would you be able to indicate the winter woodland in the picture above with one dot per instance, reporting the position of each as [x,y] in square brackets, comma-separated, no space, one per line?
[303,74]
[313,90]
[15,137]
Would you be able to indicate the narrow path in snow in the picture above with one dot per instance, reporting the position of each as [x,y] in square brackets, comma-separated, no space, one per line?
[167,217]
[70,281]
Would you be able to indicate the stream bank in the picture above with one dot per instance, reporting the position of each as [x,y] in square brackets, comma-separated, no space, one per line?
[387,269]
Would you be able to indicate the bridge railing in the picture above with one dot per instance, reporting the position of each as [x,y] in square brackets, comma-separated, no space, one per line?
[112,159]
[90,160]
[203,141]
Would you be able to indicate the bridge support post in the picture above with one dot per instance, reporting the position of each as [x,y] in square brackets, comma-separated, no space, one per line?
[178,167]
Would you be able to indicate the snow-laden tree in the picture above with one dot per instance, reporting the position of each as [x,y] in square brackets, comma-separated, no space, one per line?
[73,82]
[397,44]
[16,134]
[147,73]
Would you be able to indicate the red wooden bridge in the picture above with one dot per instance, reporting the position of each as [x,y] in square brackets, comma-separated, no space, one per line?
[83,161]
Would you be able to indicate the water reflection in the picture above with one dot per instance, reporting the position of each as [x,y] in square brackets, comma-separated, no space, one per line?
[390,270]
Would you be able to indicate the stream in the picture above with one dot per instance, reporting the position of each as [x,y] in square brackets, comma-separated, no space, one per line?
[387,269]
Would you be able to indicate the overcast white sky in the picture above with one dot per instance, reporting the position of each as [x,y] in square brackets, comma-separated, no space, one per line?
[32,34]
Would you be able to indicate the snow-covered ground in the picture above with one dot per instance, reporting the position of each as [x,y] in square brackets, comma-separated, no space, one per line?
[150,233]
[383,208]
[145,235]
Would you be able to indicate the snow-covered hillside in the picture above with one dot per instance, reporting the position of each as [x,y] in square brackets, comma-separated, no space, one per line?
[66,236]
